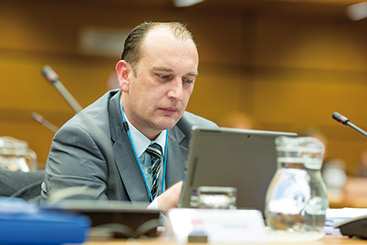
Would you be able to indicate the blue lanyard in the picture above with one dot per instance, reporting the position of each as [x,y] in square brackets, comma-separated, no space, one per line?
[137,158]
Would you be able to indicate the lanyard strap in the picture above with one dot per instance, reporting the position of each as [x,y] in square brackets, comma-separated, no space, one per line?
[137,158]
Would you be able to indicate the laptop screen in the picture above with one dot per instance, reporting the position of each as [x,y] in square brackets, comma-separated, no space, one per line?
[226,157]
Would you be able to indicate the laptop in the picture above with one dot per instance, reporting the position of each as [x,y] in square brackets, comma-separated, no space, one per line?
[227,157]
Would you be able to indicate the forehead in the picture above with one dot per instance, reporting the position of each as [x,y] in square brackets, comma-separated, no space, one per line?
[161,40]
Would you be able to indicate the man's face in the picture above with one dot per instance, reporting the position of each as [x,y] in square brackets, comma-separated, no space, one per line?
[156,96]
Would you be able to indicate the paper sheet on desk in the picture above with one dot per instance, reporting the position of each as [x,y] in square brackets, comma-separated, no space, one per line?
[219,225]
[335,215]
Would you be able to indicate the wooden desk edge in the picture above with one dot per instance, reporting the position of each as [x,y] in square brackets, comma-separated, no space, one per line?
[327,239]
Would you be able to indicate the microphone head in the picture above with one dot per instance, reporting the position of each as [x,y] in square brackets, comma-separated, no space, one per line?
[37,117]
[340,118]
[49,74]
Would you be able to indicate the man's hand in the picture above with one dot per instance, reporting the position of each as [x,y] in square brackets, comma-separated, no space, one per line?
[169,198]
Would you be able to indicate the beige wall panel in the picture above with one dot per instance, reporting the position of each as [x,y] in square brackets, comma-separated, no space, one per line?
[55,26]
[311,42]
[292,101]
[217,91]
[23,85]
[302,97]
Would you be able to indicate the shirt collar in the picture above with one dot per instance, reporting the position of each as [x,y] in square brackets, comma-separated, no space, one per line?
[141,142]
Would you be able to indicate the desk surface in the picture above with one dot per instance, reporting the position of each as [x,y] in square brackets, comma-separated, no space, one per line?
[328,239]
[354,195]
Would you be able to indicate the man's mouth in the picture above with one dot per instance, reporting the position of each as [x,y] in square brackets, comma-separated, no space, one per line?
[169,110]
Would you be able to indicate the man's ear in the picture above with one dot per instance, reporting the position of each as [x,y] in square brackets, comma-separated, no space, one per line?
[123,70]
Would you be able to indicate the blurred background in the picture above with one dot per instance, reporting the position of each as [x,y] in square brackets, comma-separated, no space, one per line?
[286,65]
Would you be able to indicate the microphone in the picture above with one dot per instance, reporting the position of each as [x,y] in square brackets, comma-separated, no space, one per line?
[53,78]
[38,118]
[345,121]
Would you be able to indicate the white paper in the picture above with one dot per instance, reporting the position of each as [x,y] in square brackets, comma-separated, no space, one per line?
[336,215]
[220,225]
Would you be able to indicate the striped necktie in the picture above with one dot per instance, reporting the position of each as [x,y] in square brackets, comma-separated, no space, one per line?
[155,152]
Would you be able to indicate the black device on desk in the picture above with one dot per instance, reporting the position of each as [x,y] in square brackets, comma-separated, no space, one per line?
[120,219]
[356,226]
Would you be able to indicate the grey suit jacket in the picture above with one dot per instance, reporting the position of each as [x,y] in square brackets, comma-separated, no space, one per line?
[80,150]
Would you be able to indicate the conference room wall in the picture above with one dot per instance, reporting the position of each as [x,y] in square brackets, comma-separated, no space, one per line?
[285,69]
[307,68]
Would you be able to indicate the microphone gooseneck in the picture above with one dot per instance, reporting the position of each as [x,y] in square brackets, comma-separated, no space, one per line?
[345,121]
[38,118]
[53,78]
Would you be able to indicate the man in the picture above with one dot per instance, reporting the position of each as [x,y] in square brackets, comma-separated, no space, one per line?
[156,76]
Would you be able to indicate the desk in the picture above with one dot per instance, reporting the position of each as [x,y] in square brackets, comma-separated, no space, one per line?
[328,239]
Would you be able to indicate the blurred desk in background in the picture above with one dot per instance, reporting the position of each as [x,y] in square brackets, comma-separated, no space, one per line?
[353,195]
[328,239]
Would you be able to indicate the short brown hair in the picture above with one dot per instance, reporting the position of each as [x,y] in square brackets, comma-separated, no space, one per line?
[131,52]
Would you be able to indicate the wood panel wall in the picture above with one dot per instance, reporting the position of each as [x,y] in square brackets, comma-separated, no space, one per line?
[287,67]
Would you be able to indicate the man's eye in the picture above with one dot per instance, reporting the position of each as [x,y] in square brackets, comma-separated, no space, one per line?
[165,77]
[188,80]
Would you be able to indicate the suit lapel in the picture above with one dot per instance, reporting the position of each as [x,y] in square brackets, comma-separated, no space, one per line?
[129,171]
[127,167]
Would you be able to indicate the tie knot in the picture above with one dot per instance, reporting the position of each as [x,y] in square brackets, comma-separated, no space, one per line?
[155,150]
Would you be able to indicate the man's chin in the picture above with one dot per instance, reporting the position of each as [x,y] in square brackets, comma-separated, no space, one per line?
[167,123]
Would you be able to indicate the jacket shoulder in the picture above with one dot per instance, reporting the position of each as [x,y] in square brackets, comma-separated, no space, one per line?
[189,120]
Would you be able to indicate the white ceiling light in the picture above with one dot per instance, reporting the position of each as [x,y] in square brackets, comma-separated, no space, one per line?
[357,11]
[185,3]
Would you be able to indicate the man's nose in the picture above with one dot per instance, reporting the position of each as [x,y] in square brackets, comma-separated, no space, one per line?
[176,89]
